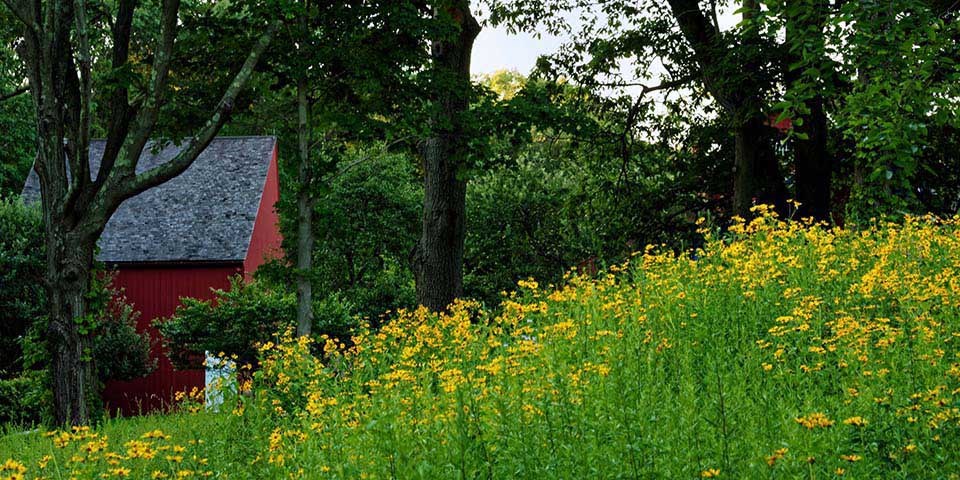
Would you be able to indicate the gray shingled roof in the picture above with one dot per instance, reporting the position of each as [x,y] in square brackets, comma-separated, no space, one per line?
[206,214]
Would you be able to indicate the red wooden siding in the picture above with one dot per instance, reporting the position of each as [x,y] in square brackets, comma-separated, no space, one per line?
[265,239]
[155,291]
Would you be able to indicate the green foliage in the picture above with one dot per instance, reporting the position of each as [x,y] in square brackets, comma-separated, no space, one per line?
[885,74]
[366,225]
[504,83]
[904,85]
[120,352]
[889,72]
[232,322]
[22,265]
[565,185]
[22,399]
[367,219]
[236,320]
[537,218]
[17,144]
[522,222]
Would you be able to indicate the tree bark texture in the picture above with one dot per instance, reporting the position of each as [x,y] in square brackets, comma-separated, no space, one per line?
[438,259]
[304,216]
[69,339]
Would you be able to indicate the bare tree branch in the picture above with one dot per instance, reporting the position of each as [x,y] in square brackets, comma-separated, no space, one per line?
[199,142]
[16,93]
[146,118]
[21,10]
[118,124]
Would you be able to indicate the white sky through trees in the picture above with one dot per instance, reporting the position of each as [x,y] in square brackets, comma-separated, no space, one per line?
[497,49]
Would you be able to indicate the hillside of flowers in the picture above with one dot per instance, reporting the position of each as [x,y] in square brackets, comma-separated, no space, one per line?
[779,350]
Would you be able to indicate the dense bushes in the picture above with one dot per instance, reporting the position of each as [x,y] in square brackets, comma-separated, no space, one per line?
[522,222]
[22,399]
[22,264]
[237,319]
[231,323]
[121,353]
[538,217]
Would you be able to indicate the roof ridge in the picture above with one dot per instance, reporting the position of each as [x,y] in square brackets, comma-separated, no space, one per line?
[218,137]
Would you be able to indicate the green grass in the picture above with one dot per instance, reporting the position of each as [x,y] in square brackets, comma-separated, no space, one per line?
[783,351]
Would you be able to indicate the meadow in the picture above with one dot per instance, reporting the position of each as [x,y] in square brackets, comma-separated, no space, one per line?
[780,349]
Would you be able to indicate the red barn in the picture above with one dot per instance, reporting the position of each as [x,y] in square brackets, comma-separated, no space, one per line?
[184,238]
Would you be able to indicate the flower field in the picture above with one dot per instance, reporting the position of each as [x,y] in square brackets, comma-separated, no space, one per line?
[781,350]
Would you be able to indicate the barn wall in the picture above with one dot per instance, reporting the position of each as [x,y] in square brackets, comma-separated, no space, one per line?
[265,240]
[155,292]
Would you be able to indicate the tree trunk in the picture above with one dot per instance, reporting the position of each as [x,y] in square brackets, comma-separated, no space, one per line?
[757,177]
[813,165]
[69,332]
[440,251]
[304,217]
[438,259]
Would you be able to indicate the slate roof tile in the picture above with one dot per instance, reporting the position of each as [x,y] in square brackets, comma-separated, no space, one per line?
[206,214]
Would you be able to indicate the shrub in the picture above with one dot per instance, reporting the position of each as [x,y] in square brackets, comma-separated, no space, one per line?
[22,264]
[121,352]
[233,322]
[22,399]
[520,225]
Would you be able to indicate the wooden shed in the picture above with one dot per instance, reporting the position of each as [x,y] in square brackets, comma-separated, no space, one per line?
[183,239]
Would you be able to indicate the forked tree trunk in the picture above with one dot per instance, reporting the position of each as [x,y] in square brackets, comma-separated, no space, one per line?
[57,56]
[438,259]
